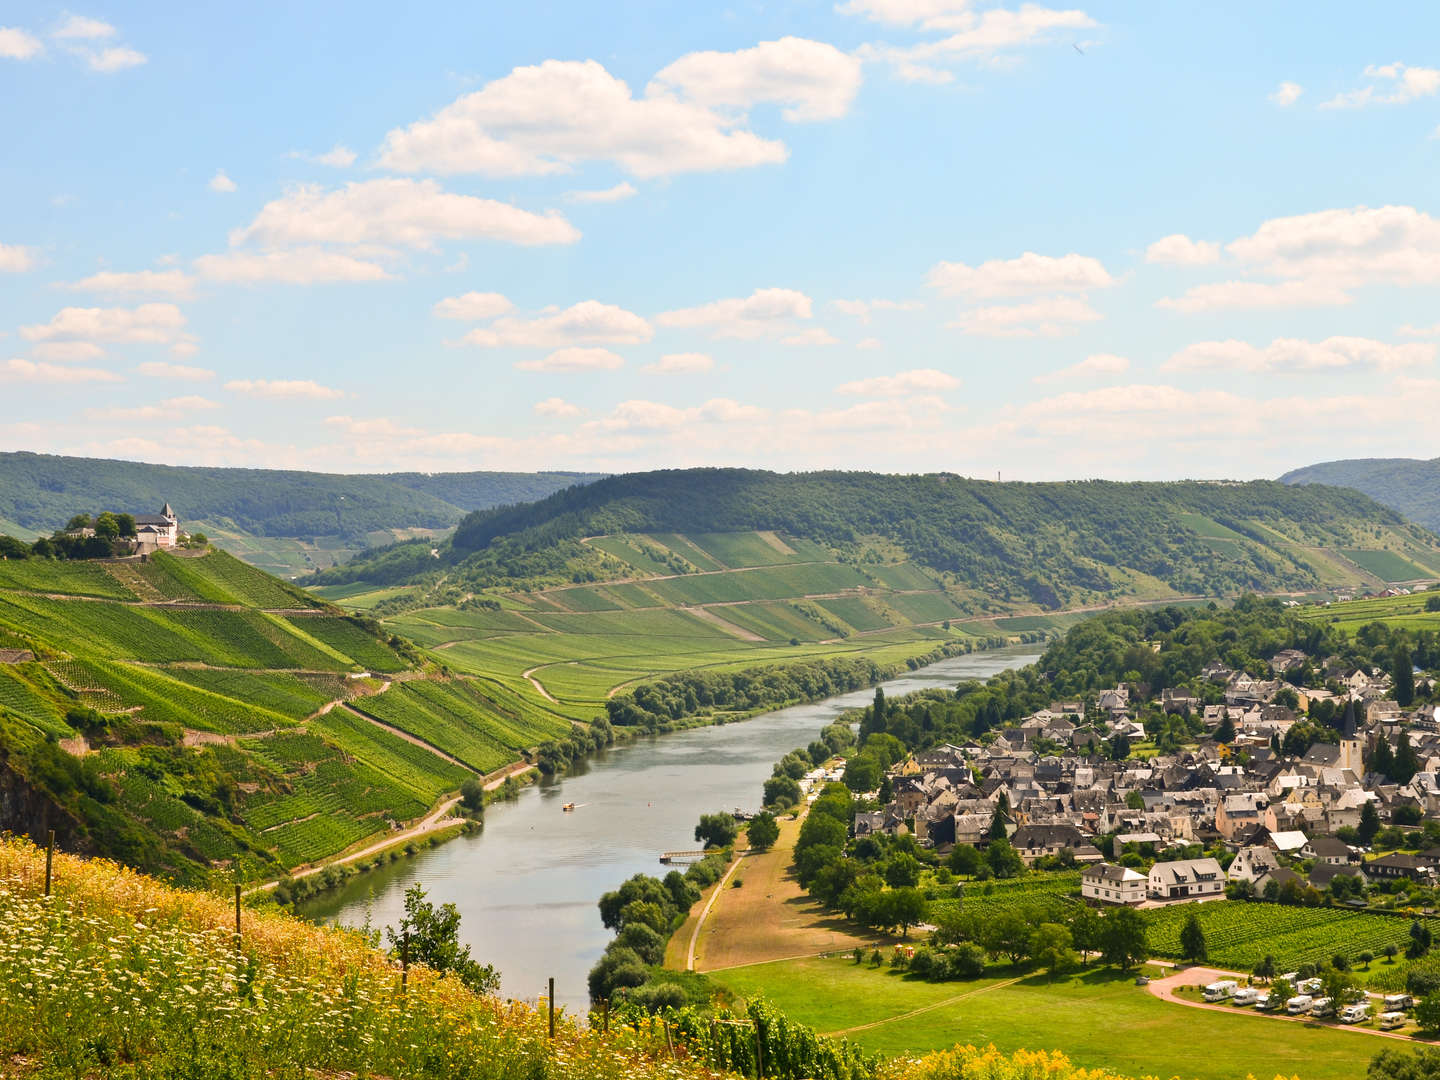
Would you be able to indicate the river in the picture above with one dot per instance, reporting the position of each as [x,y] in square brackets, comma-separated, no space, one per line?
[526,885]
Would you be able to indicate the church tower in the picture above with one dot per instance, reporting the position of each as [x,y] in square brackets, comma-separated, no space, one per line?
[1352,742]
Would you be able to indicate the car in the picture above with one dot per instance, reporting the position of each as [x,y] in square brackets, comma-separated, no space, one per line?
[1299,1004]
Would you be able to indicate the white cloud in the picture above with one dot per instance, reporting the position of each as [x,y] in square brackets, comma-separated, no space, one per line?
[1347,247]
[1179,250]
[812,79]
[640,415]
[813,335]
[919,381]
[586,323]
[16,44]
[337,157]
[18,370]
[1096,365]
[869,343]
[283,388]
[547,118]
[1291,355]
[622,190]
[302,266]
[396,211]
[863,309]
[1393,84]
[1255,295]
[1027,275]
[1286,94]
[148,323]
[14,258]
[1410,330]
[159,369]
[149,282]
[930,14]
[555,406]
[67,352]
[116,58]
[976,36]
[82,28]
[1038,318]
[473,306]
[684,363]
[575,359]
[765,311]
[184,348]
[221,183]
[169,409]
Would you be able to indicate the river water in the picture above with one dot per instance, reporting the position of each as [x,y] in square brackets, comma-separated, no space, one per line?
[526,885]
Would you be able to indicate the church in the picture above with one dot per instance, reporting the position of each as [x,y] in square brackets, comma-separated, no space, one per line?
[156,531]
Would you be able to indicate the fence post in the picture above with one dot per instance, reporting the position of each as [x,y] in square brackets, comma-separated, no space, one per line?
[552,1006]
[605,1014]
[49,859]
[404,959]
[759,1052]
[237,916]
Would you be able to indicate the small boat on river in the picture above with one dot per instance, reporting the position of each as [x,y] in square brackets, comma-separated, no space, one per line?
[568,807]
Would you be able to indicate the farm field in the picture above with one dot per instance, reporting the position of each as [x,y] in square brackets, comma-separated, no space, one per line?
[1050,893]
[1408,611]
[1098,1018]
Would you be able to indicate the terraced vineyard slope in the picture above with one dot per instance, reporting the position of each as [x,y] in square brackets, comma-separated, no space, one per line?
[196,717]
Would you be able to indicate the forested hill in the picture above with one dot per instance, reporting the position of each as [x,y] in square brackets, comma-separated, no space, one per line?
[1051,544]
[40,491]
[1407,485]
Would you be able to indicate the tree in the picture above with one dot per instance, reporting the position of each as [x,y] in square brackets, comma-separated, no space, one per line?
[1407,762]
[762,831]
[1382,761]
[79,521]
[781,792]
[964,859]
[1119,747]
[1366,958]
[1192,940]
[716,830]
[472,794]
[107,527]
[1000,819]
[1420,939]
[1369,822]
[902,871]
[1225,733]
[1004,861]
[863,773]
[1086,932]
[1427,1012]
[1134,800]
[1007,934]
[1051,946]
[431,936]
[1123,942]
[905,908]
[1338,987]
[126,522]
[1391,951]
[1404,675]
[1422,1064]
[1265,969]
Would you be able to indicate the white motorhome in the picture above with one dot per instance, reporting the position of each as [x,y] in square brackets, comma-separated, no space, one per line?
[1245,996]
[1322,1006]
[1298,1004]
[1219,991]
[1389,1021]
[1354,1014]
[1398,1002]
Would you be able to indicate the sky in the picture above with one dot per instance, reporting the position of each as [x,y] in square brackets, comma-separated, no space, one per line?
[1123,240]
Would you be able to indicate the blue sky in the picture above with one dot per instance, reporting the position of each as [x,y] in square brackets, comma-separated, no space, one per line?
[1122,240]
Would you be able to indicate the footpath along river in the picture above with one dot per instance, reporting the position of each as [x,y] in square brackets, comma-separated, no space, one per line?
[526,885]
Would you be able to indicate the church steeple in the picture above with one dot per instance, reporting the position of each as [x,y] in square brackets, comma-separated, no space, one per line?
[1349,725]
[166,511]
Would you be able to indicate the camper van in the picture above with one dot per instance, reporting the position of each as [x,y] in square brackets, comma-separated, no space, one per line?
[1389,1021]
[1398,1002]
[1248,996]
[1322,1006]
[1300,1003]
[1354,1014]
[1219,991]
[1309,986]
[1267,1001]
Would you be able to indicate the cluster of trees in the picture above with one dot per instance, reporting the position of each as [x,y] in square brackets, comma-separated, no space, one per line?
[782,790]
[963,941]
[431,936]
[113,534]
[555,755]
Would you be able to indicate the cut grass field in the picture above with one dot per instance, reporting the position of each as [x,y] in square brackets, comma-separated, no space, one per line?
[1099,1018]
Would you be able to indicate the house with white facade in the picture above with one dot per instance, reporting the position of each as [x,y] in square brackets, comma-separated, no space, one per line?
[1189,879]
[1107,883]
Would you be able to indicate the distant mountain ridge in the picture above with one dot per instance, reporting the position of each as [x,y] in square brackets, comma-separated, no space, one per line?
[1410,486]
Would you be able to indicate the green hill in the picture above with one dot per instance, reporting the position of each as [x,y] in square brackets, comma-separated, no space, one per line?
[191,715]
[285,521]
[1407,485]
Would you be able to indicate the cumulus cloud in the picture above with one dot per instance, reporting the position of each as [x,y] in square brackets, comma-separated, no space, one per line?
[622,190]
[1391,84]
[919,381]
[148,282]
[169,409]
[763,312]
[1256,295]
[641,415]
[1287,94]
[67,352]
[473,306]
[38,371]
[301,266]
[283,388]
[1027,275]
[863,309]
[148,323]
[337,157]
[1179,250]
[83,28]
[17,44]
[575,359]
[1360,245]
[14,258]
[587,323]
[159,369]
[115,58]
[685,363]
[555,406]
[974,35]
[1050,317]
[221,183]
[814,335]
[812,79]
[396,211]
[549,117]
[1291,355]
[1411,330]
[1095,365]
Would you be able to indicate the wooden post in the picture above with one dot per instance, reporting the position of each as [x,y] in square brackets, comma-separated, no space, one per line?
[404,959]
[670,1043]
[237,917]
[605,1015]
[49,860]
[759,1052]
[551,1004]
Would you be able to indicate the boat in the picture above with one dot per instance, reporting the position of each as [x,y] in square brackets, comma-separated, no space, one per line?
[568,807]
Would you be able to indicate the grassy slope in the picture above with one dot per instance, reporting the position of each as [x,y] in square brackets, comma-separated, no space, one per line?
[212,675]
[1098,1018]
[1406,611]
[1406,485]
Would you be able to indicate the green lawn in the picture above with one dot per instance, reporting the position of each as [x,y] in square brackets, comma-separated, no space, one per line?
[1098,1018]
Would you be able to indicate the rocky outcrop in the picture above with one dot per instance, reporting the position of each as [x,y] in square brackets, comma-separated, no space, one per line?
[25,811]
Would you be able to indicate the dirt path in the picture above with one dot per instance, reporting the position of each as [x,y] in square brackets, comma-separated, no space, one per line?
[1165,988]
[924,1008]
[530,677]
[705,912]
[411,739]
[706,615]
[497,778]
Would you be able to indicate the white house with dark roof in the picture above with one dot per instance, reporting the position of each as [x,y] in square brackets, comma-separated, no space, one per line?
[1188,879]
[156,531]
[1111,884]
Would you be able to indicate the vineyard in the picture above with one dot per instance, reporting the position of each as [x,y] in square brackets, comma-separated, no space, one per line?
[1043,896]
[1239,934]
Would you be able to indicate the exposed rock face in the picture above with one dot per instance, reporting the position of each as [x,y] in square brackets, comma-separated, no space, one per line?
[27,812]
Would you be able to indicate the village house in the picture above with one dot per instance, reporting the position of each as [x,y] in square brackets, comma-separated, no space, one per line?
[156,531]
[1110,884]
[1188,879]
[1251,863]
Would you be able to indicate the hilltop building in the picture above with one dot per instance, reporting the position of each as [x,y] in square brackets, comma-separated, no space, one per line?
[156,531]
